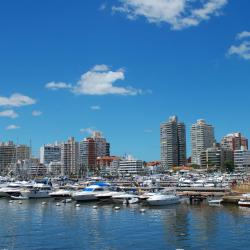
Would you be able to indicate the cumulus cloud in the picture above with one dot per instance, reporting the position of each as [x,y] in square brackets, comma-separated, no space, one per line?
[243,49]
[36,113]
[8,113]
[100,67]
[100,80]
[16,100]
[90,130]
[12,127]
[179,14]
[58,85]
[95,107]
[243,34]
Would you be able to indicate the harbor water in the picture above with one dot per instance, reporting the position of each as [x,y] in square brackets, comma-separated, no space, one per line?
[33,225]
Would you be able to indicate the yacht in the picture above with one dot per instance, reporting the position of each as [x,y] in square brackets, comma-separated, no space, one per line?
[163,199]
[166,197]
[13,189]
[89,193]
[37,191]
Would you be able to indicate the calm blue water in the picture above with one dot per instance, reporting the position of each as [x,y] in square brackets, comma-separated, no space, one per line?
[33,226]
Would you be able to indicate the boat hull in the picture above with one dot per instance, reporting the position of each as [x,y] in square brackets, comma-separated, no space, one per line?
[85,197]
[244,203]
[35,195]
[163,202]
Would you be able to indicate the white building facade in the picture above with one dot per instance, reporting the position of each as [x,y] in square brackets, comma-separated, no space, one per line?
[50,153]
[202,137]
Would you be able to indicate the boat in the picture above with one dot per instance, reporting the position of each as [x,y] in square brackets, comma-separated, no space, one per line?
[37,191]
[245,202]
[107,195]
[13,189]
[125,198]
[163,199]
[19,197]
[61,193]
[215,202]
[89,193]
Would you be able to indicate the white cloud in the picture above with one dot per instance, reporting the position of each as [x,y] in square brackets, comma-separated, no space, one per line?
[90,130]
[95,107]
[16,100]
[243,34]
[178,14]
[100,67]
[36,113]
[58,85]
[243,49]
[12,127]
[8,113]
[100,81]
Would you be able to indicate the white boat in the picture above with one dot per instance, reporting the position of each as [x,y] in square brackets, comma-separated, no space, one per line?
[163,199]
[89,193]
[244,202]
[61,193]
[209,185]
[215,202]
[19,197]
[13,189]
[37,191]
[107,195]
[125,198]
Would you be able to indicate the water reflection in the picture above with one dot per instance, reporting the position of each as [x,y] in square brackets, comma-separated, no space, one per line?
[32,225]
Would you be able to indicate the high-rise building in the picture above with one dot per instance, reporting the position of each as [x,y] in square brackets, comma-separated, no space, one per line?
[242,159]
[234,141]
[50,153]
[91,148]
[23,152]
[173,143]
[102,146]
[7,156]
[88,154]
[202,137]
[70,157]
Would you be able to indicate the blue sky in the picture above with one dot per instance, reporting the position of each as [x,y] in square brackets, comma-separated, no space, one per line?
[122,67]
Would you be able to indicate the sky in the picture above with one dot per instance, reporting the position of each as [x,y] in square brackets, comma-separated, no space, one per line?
[122,67]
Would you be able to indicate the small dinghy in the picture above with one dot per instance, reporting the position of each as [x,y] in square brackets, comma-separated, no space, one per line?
[19,198]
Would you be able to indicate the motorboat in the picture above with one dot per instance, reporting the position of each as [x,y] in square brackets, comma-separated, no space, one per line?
[20,197]
[107,195]
[162,199]
[37,191]
[89,193]
[125,198]
[198,183]
[13,189]
[245,202]
[215,202]
[63,192]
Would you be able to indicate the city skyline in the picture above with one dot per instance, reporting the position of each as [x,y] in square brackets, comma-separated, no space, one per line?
[67,70]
